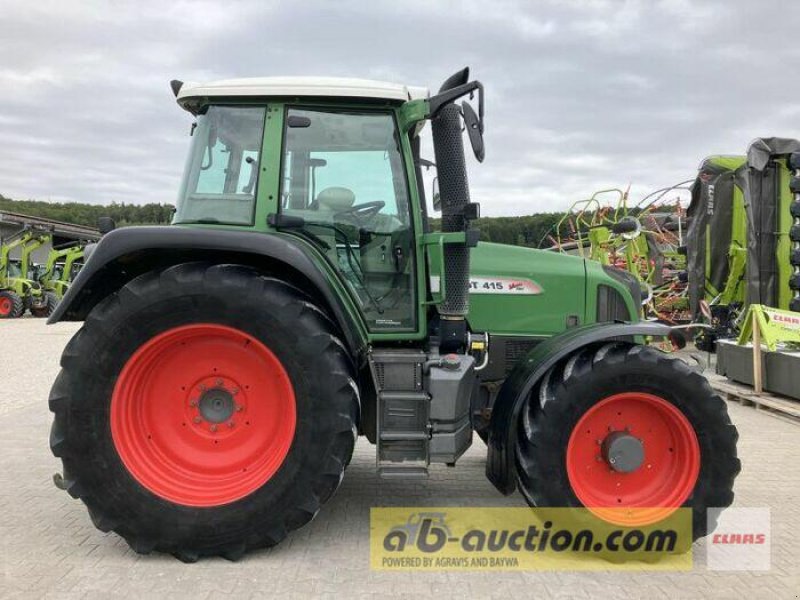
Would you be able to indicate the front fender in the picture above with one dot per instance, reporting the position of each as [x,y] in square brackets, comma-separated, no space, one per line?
[126,253]
[526,375]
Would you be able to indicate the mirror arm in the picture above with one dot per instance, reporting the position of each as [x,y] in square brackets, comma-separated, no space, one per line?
[439,100]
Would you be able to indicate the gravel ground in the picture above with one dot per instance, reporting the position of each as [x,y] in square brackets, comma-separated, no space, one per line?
[50,548]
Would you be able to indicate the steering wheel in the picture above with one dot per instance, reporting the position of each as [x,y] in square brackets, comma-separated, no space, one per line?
[362,212]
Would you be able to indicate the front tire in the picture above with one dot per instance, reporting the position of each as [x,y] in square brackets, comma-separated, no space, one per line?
[46,308]
[204,410]
[11,305]
[681,440]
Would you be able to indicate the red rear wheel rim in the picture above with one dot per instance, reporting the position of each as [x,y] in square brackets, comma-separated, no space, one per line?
[6,306]
[203,415]
[668,472]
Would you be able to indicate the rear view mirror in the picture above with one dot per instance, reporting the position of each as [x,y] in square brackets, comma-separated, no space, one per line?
[435,197]
[474,130]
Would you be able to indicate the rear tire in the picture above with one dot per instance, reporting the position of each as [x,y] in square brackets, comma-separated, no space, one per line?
[47,307]
[11,305]
[556,444]
[112,371]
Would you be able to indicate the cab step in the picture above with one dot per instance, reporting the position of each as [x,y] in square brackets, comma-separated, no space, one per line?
[403,414]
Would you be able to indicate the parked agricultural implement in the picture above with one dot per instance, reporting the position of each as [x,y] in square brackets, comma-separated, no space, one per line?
[771,183]
[645,240]
[716,247]
[744,237]
[18,292]
[210,403]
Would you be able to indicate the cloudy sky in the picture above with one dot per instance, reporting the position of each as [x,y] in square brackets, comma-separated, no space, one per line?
[580,95]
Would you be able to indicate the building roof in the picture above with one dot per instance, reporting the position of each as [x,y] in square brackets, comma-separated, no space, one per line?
[18,222]
[302,86]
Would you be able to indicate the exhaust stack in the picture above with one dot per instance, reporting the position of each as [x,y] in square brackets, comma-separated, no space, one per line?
[454,192]
[457,210]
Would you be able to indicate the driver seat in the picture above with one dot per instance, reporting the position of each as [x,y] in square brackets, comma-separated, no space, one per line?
[335,199]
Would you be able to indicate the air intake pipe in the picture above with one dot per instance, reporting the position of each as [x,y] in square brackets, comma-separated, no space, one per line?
[448,145]
[454,193]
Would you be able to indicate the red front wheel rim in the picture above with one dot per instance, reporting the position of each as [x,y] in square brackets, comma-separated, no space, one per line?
[6,306]
[668,466]
[203,415]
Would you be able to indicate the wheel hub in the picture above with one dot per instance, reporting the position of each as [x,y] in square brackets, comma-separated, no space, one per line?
[216,405]
[623,452]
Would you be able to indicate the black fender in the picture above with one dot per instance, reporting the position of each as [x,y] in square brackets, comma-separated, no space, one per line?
[126,253]
[525,375]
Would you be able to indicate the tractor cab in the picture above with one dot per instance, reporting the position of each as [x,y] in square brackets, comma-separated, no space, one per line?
[335,171]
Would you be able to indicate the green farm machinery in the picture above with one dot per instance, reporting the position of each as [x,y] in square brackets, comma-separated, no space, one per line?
[716,243]
[646,240]
[771,183]
[62,265]
[744,236]
[18,291]
[210,403]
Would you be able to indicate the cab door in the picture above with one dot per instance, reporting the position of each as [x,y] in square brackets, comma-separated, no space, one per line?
[343,172]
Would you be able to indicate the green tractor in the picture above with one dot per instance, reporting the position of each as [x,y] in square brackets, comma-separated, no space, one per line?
[60,269]
[210,403]
[18,292]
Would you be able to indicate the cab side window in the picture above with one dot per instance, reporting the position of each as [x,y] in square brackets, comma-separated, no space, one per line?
[344,175]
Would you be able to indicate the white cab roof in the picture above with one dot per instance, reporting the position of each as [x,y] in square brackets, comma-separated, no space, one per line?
[302,86]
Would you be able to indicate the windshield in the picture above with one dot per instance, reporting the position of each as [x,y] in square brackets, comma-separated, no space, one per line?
[344,175]
[221,175]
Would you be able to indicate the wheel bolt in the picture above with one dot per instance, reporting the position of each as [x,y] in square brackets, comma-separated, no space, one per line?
[218,382]
[238,408]
[193,403]
[203,388]
[234,391]
[198,420]
[212,428]
[230,423]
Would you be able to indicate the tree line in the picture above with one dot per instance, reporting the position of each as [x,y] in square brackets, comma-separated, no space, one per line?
[79,213]
[531,230]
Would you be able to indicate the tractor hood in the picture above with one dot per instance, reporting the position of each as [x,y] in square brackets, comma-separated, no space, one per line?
[526,291]
[523,291]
